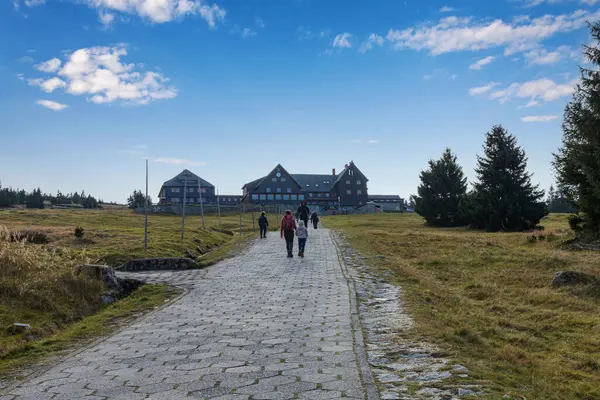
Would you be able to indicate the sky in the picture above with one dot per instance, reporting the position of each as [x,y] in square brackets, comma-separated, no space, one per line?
[89,89]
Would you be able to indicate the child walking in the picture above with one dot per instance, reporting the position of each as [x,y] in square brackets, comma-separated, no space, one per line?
[302,233]
[263,224]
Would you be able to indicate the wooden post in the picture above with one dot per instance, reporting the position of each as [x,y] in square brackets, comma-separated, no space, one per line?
[253,225]
[240,222]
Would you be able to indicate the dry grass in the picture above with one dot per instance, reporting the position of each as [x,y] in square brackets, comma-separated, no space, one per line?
[486,299]
[37,285]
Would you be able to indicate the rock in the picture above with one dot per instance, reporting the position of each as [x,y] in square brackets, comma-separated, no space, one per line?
[565,278]
[224,231]
[152,264]
[465,392]
[197,241]
[104,272]
[108,298]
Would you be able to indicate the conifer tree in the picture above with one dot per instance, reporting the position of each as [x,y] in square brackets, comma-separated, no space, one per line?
[577,163]
[442,187]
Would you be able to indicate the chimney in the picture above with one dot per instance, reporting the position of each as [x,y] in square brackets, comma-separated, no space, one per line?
[333,172]
[346,166]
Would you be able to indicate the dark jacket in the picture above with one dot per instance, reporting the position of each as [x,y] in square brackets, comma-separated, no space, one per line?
[263,221]
[314,217]
[303,212]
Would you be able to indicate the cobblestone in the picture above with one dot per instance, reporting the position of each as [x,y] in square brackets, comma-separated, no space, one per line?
[259,325]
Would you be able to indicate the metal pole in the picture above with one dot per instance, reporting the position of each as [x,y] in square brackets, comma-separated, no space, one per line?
[146,212]
[183,210]
[201,203]
[219,209]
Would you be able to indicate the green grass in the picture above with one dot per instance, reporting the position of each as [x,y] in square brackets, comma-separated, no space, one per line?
[37,284]
[485,298]
[81,332]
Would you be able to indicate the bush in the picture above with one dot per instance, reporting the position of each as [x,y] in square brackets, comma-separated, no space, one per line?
[79,232]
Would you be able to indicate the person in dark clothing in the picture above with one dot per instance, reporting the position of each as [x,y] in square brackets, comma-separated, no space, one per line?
[263,224]
[303,213]
[314,219]
[288,228]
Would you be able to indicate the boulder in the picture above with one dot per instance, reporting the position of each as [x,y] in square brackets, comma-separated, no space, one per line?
[566,278]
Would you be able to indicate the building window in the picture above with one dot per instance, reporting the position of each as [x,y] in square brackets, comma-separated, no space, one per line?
[263,196]
[359,191]
[348,191]
[269,197]
[358,182]
[300,197]
[326,194]
[282,179]
[254,197]
[175,200]
[278,190]
[310,195]
[273,179]
[294,197]
[268,190]
[203,190]
[277,197]
[175,190]
[289,190]
[318,194]
[286,196]
[347,182]
[351,172]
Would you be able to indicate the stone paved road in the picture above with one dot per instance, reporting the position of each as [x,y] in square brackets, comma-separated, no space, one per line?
[258,326]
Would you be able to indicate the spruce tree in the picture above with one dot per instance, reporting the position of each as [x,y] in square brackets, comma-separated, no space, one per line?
[503,197]
[442,187]
[577,163]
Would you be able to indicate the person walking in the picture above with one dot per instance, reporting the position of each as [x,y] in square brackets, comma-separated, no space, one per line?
[263,224]
[314,218]
[302,233]
[303,213]
[288,226]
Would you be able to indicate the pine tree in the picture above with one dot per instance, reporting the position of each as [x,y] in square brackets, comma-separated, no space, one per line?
[577,163]
[503,197]
[442,187]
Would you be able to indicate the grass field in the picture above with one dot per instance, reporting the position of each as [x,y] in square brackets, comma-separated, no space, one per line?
[37,285]
[486,300]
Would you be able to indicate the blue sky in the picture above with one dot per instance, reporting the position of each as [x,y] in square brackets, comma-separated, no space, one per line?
[89,88]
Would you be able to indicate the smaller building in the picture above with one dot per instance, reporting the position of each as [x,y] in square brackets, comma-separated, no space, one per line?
[192,189]
[389,203]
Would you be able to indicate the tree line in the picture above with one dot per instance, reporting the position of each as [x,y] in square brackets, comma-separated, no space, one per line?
[36,198]
[502,198]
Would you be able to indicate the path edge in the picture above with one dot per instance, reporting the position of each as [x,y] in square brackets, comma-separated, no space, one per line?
[372,392]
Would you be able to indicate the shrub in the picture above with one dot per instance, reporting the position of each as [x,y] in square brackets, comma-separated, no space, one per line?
[79,232]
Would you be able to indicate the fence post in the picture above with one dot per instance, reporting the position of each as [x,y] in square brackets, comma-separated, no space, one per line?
[240,222]
[253,226]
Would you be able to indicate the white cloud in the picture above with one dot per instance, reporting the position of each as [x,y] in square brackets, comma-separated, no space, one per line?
[534,3]
[482,89]
[482,63]
[259,22]
[51,65]
[446,9]
[305,33]
[356,141]
[157,11]
[247,32]
[106,18]
[26,60]
[539,118]
[179,161]
[440,73]
[342,41]
[545,90]
[99,73]
[48,85]
[454,34]
[368,44]
[545,57]
[428,77]
[373,141]
[52,105]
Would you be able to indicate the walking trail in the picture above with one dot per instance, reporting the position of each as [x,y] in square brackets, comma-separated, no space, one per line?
[257,326]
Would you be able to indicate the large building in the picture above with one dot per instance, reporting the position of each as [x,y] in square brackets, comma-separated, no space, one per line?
[196,190]
[346,189]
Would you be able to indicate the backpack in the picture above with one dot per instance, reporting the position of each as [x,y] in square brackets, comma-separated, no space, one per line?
[288,224]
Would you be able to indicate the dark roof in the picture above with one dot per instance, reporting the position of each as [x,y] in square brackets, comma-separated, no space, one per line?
[189,176]
[315,183]
[384,197]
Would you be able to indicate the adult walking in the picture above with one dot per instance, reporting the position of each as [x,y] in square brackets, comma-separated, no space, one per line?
[303,213]
[263,224]
[288,228]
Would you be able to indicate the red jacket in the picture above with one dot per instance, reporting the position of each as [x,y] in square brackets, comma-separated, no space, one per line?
[284,222]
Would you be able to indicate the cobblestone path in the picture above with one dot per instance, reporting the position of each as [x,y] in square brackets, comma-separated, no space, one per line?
[258,326]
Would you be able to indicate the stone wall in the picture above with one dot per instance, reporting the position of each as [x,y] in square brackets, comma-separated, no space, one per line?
[151,264]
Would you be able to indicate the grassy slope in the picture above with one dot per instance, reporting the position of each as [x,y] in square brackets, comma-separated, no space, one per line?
[486,299]
[36,281]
